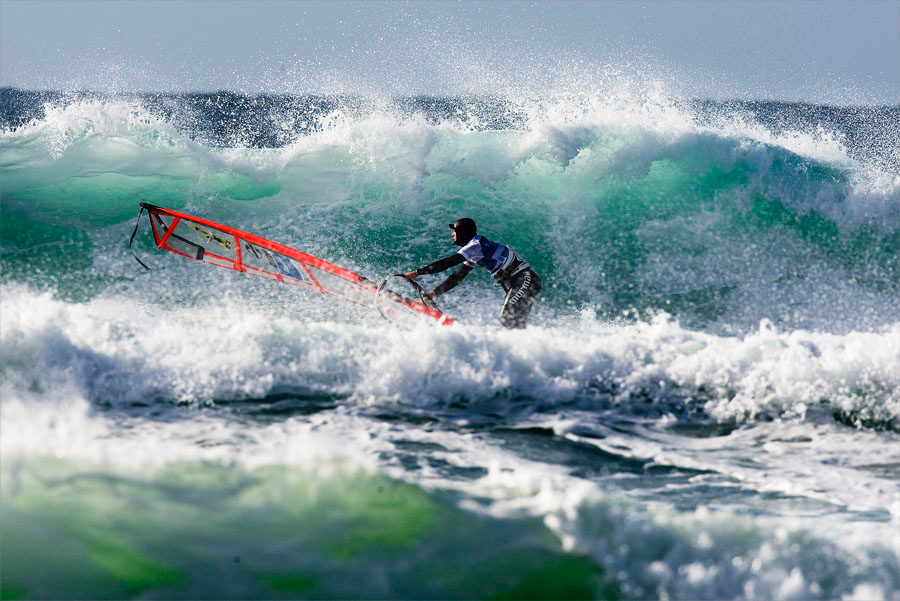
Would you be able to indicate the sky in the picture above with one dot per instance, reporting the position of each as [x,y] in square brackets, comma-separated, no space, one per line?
[826,51]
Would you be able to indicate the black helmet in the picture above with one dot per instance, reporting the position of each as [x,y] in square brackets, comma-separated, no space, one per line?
[465,230]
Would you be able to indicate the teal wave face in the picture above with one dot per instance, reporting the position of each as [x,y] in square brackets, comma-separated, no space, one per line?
[715,227]
[270,533]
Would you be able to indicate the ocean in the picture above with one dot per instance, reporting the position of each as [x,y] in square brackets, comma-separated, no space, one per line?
[704,405]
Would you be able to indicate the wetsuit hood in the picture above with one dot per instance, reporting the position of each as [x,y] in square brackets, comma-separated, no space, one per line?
[465,230]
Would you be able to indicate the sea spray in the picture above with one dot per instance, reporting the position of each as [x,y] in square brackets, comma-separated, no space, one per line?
[705,403]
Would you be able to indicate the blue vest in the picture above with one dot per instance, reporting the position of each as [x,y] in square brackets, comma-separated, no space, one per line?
[491,255]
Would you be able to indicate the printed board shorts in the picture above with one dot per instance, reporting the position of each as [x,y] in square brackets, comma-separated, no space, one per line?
[521,290]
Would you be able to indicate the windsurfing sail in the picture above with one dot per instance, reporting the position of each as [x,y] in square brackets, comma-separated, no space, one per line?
[227,247]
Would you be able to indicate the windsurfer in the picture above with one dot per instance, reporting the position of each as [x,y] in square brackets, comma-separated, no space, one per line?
[511,271]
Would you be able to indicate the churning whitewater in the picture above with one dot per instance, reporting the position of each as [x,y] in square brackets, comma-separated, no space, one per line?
[705,405]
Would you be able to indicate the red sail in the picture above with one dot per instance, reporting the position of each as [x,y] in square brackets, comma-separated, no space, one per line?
[228,247]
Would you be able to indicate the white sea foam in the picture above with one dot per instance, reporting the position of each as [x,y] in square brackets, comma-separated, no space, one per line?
[71,371]
[116,350]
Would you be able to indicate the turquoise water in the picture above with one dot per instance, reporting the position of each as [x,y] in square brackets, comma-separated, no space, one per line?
[705,404]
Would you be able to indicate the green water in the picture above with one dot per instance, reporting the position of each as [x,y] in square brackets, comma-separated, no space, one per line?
[211,531]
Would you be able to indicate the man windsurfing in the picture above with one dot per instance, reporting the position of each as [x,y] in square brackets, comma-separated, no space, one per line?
[511,271]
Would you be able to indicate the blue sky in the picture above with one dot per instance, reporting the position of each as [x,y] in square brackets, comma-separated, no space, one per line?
[818,51]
